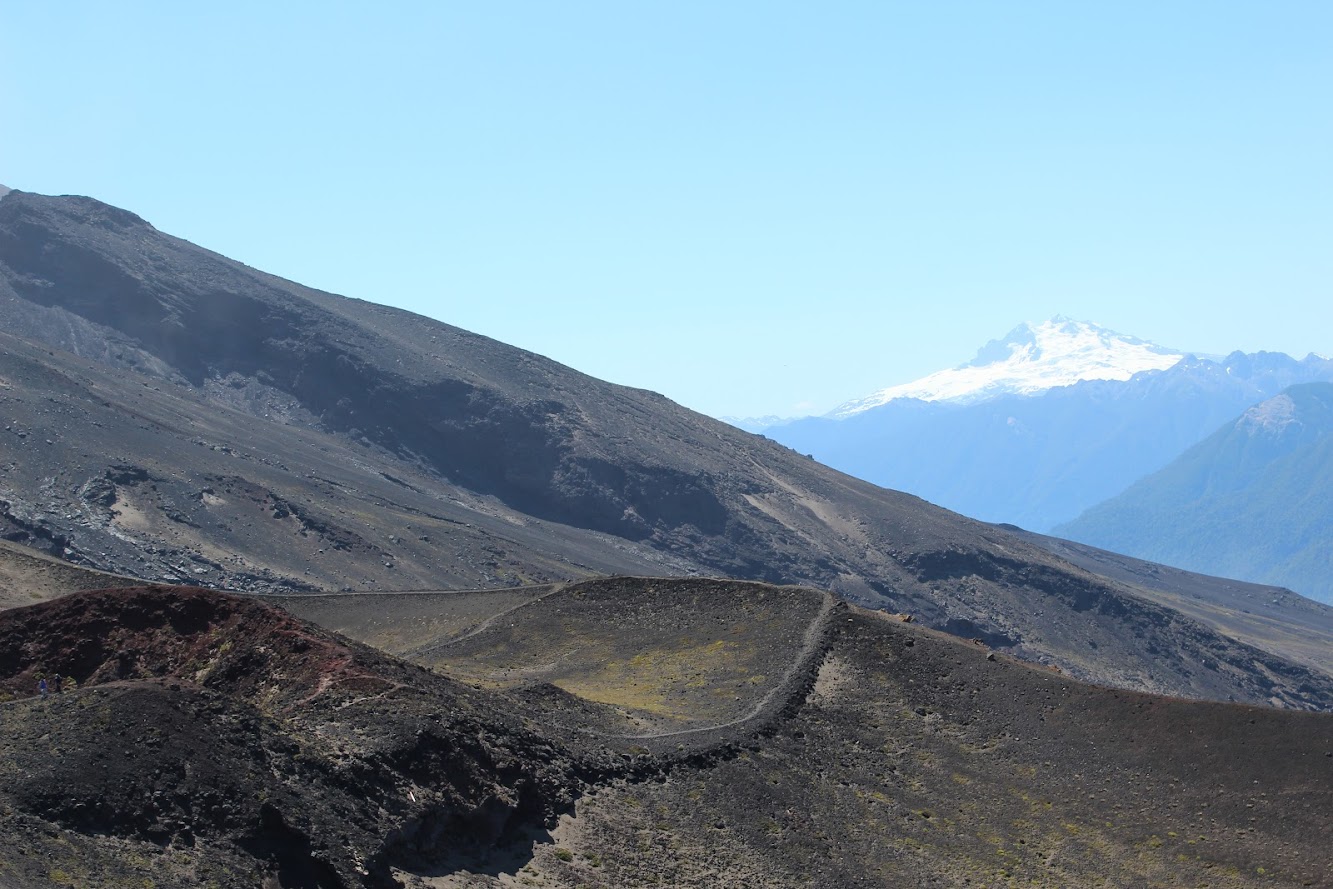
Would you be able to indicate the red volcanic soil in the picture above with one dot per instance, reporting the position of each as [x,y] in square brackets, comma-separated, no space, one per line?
[226,643]
[217,740]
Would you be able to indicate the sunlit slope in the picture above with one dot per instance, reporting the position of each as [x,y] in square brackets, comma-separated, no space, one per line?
[916,761]
[665,656]
[28,576]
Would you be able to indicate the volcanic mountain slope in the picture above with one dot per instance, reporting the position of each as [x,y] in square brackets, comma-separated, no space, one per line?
[174,414]
[158,493]
[214,740]
[152,480]
[917,766]
[1264,616]
[915,760]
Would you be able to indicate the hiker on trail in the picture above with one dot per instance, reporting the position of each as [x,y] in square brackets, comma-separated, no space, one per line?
[41,687]
[57,684]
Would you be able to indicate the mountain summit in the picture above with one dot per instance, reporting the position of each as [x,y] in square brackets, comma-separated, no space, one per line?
[1030,360]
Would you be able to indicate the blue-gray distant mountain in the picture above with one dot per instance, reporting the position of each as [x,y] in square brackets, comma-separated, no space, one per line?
[1021,435]
[755,424]
[1253,501]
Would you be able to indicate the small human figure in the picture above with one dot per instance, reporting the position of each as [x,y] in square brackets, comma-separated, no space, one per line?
[57,684]
[41,687]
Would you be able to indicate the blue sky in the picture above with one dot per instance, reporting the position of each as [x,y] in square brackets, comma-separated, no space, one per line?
[750,207]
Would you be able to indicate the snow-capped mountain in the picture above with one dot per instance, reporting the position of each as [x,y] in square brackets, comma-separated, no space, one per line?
[1038,460]
[1030,360]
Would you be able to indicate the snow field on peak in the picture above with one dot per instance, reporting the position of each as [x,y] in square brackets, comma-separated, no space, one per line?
[1030,360]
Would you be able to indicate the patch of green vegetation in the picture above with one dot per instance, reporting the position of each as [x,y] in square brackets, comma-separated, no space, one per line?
[657,681]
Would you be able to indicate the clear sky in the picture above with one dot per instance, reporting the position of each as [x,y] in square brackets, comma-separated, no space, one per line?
[751,207]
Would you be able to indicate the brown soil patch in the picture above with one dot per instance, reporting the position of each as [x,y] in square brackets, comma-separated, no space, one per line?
[27,576]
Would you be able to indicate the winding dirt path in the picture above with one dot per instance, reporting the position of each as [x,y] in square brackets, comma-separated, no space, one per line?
[482,627]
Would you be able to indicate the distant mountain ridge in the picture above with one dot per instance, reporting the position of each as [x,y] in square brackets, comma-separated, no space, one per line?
[1029,360]
[1252,501]
[1039,460]
[755,424]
